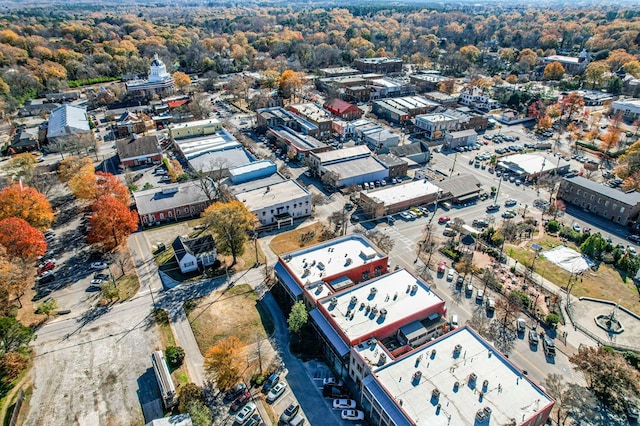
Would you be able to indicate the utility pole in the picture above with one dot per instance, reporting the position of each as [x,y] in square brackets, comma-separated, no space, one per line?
[453,166]
[495,200]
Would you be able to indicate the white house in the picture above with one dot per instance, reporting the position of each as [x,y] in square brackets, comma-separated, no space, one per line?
[476,97]
[194,253]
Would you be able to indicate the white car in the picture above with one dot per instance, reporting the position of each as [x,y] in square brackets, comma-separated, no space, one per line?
[450,275]
[96,282]
[276,391]
[352,415]
[576,227]
[246,412]
[344,404]
[99,265]
[332,381]
[480,295]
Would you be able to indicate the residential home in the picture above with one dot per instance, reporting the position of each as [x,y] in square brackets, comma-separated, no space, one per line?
[129,123]
[477,98]
[139,150]
[194,254]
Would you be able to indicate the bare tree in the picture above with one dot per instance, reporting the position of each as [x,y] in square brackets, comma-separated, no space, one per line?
[508,307]
[480,323]
[206,184]
[331,179]
[574,403]
[383,241]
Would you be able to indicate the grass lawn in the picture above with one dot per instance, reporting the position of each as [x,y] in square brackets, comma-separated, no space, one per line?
[179,375]
[227,312]
[128,286]
[605,283]
[290,241]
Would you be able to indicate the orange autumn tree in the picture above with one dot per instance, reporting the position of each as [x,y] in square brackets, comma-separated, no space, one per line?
[111,223]
[21,240]
[223,360]
[26,203]
[13,281]
[108,184]
[70,166]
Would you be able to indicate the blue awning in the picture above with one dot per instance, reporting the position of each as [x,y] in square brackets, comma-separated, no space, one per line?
[329,333]
[388,405]
[288,280]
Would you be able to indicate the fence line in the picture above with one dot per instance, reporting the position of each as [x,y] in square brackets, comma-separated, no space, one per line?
[16,409]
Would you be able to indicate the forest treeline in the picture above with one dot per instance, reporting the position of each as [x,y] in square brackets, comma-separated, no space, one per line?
[43,50]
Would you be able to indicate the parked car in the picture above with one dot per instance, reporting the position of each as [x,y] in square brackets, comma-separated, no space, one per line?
[450,274]
[493,207]
[245,413]
[469,289]
[549,346]
[491,304]
[533,337]
[442,267]
[344,404]
[454,321]
[96,282]
[480,295]
[521,325]
[332,381]
[479,223]
[331,391]
[270,382]
[47,277]
[99,265]
[510,202]
[234,392]
[255,420]
[47,266]
[444,219]
[634,238]
[101,276]
[276,391]
[509,214]
[576,227]
[289,413]
[353,415]
[240,401]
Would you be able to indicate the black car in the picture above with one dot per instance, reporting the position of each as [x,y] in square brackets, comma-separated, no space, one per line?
[234,392]
[633,238]
[333,391]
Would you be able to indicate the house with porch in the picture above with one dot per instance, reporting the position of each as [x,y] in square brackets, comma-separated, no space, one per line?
[193,254]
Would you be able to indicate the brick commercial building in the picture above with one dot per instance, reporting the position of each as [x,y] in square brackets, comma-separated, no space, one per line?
[392,199]
[343,109]
[610,203]
[379,65]
[171,203]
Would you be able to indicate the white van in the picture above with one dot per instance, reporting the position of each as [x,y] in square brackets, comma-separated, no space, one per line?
[454,321]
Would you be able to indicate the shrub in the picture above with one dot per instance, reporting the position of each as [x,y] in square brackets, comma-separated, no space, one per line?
[175,356]
[553,226]
[160,316]
[552,319]
[522,296]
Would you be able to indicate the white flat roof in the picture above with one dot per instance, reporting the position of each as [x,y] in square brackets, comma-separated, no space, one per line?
[356,167]
[272,195]
[399,292]
[436,117]
[339,154]
[531,163]
[194,123]
[508,393]
[370,352]
[328,259]
[390,195]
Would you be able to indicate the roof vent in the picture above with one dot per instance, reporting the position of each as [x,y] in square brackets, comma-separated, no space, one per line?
[435,393]
[415,379]
[473,378]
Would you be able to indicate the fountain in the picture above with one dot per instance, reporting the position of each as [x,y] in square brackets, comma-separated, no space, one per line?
[610,323]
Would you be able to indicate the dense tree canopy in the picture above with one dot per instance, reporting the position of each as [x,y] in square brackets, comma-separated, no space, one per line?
[27,203]
[230,223]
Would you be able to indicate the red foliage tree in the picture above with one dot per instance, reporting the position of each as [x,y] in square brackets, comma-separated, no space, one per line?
[108,184]
[27,203]
[21,240]
[111,223]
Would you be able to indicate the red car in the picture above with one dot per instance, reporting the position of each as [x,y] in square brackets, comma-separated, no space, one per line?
[46,267]
[442,266]
[444,219]
[240,401]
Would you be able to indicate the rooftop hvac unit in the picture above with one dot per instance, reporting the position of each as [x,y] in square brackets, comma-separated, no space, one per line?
[414,288]
[435,394]
[354,300]
[472,378]
[481,416]
[383,359]
[171,190]
[416,376]
[383,312]
[374,290]
[348,261]
[320,287]
[374,310]
[457,349]
[334,301]
[321,266]
[371,342]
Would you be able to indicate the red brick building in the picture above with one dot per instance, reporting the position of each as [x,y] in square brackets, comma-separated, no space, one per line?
[139,150]
[343,109]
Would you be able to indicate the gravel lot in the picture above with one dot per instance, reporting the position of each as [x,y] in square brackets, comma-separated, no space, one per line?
[100,374]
